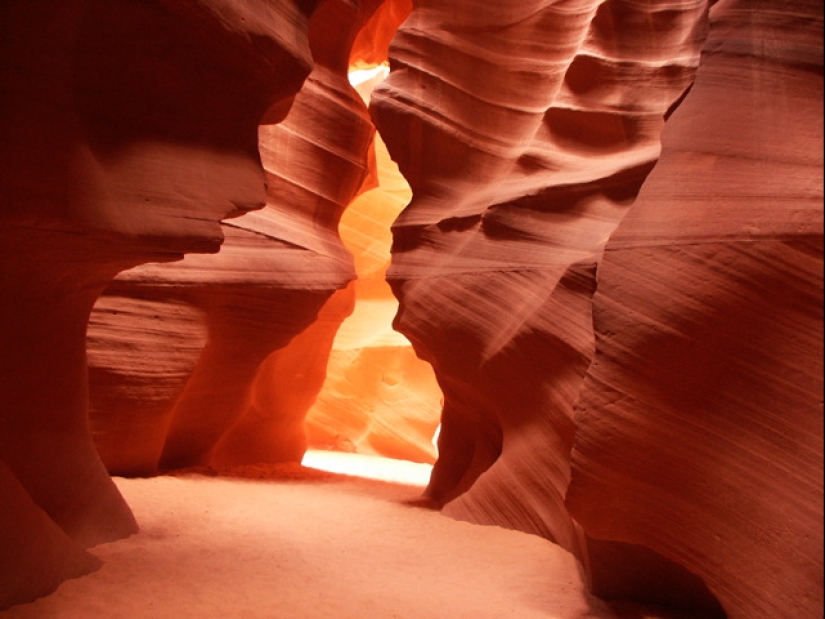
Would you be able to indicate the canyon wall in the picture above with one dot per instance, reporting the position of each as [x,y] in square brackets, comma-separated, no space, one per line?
[378,398]
[127,132]
[629,346]
[526,131]
[217,359]
[217,373]
[700,423]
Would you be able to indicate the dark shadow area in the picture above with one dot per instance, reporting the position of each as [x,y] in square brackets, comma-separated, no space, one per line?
[620,570]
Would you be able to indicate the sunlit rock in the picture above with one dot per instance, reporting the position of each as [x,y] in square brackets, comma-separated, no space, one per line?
[371,46]
[675,449]
[379,398]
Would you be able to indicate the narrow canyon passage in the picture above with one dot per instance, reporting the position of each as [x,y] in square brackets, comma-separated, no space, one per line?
[578,241]
[378,397]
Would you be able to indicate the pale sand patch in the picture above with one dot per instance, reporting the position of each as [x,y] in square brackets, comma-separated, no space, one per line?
[296,544]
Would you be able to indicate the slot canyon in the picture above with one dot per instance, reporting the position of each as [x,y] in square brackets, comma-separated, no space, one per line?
[562,259]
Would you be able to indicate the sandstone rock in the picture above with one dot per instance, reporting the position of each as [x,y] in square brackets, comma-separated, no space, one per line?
[128,131]
[525,131]
[43,554]
[273,427]
[371,45]
[246,396]
[131,392]
[378,398]
[700,422]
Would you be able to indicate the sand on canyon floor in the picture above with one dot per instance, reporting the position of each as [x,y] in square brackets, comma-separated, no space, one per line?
[290,542]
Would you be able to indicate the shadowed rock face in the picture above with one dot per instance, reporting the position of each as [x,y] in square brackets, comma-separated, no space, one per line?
[692,413]
[525,131]
[699,426]
[112,155]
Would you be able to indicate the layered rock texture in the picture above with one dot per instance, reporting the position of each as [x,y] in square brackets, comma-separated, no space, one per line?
[518,178]
[700,423]
[216,360]
[609,250]
[698,430]
[378,397]
[216,375]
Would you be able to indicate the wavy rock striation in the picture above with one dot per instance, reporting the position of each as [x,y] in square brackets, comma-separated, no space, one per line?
[525,131]
[692,415]
[700,423]
[128,130]
[235,393]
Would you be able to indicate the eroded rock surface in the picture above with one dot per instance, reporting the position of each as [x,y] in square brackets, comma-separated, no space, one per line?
[700,423]
[525,131]
[378,398]
[274,273]
[699,428]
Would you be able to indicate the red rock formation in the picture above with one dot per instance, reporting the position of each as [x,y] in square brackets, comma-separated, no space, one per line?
[525,131]
[131,392]
[272,429]
[128,131]
[274,273]
[700,424]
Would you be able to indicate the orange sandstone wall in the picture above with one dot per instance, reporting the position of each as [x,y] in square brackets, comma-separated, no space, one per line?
[237,390]
[526,132]
[232,350]
[371,45]
[644,390]
[379,398]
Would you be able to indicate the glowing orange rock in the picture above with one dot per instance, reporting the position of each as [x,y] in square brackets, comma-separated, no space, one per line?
[378,398]
[287,383]
[371,46]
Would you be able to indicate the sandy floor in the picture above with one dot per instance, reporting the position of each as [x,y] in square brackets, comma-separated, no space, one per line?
[298,544]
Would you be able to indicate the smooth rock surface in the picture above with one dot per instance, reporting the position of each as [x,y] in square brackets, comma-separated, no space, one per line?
[637,380]
[378,398]
[244,399]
